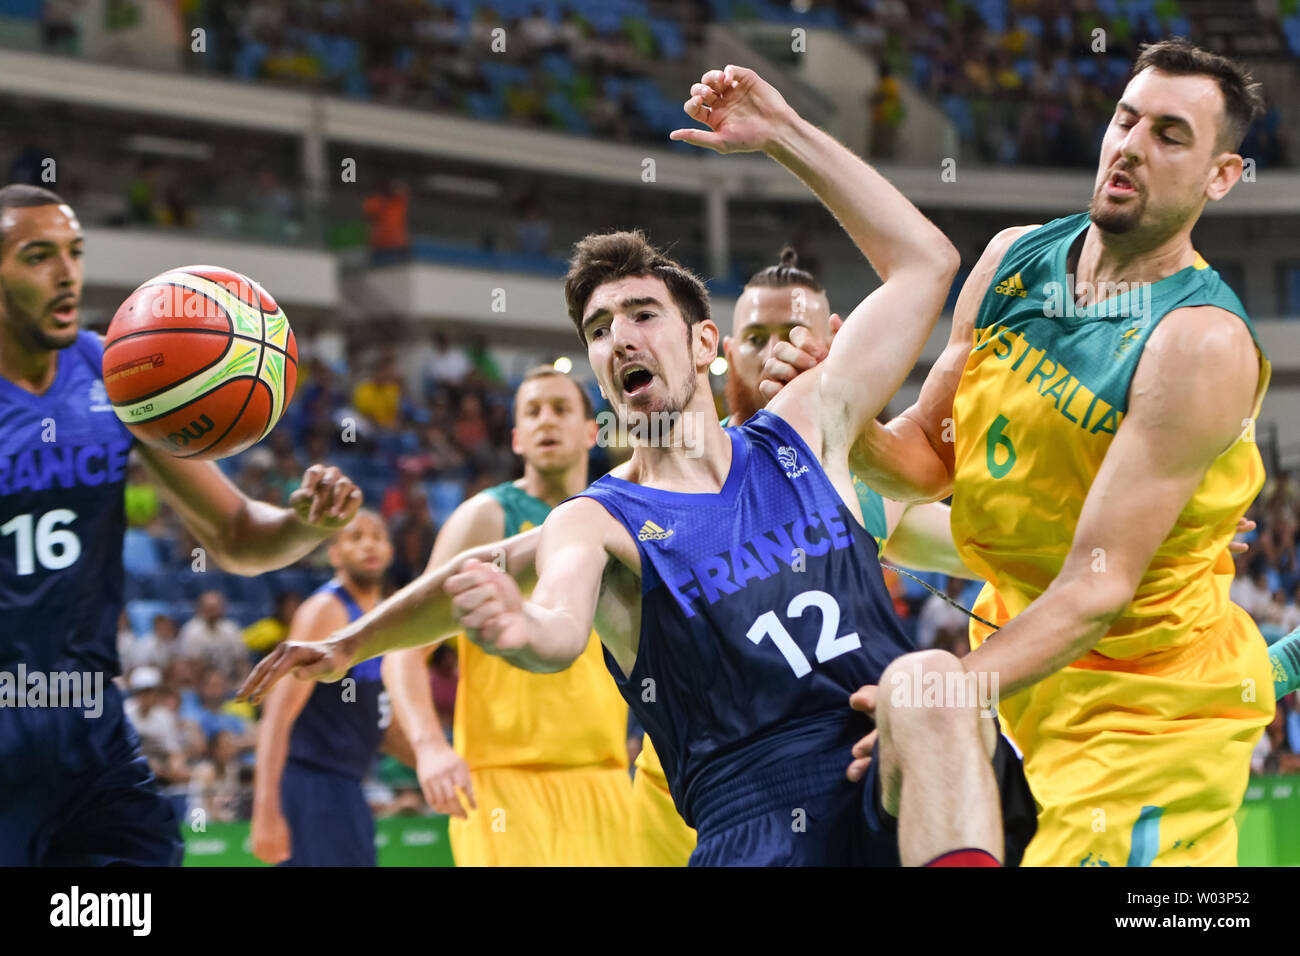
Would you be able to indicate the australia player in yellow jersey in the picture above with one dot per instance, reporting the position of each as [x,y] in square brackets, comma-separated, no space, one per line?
[1103,382]
[540,760]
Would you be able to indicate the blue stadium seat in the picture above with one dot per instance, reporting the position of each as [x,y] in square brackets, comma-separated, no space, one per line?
[444,498]
[142,613]
[139,553]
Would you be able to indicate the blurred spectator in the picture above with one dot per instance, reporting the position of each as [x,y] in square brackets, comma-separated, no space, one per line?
[221,785]
[450,365]
[938,616]
[157,726]
[470,430]
[1274,753]
[213,639]
[397,498]
[261,636]
[142,195]
[379,397]
[210,710]
[141,496]
[413,535]
[156,649]
[386,211]
[886,103]
[270,211]
[1251,592]
[532,232]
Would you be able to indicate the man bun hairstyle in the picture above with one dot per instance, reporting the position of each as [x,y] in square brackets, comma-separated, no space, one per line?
[1243,99]
[608,257]
[785,273]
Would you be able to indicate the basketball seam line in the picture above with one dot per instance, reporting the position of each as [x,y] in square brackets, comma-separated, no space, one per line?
[257,377]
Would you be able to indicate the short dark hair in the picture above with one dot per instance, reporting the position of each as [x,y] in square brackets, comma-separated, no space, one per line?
[20,196]
[607,257]
[785,273]
[1243,98]
[550,371]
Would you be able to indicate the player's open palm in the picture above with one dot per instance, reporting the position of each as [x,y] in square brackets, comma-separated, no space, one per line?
[488,604]
[443,773]
[743,111]
[270,837]
[326,660]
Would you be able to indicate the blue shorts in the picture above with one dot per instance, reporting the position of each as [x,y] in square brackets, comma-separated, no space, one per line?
[78,792]
[803,812]
[329,820]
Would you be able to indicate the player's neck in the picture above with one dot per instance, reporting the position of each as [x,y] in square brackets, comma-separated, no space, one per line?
[31,370]
[366,596]
[694,458]
[553,487]
[1107,259]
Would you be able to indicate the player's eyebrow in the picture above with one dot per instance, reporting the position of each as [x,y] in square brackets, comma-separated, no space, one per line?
[627,305]
[31,244]
[1164,119]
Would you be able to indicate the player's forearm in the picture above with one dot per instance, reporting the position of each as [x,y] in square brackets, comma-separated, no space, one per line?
[899,461]
[271,754]
[891,232]
[1066,622]
[406,677]
[264,537]
[923,542]
[555,640]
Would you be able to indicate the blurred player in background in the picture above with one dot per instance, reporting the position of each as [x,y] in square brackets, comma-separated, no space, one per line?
[541,759]
[1104,382]
[78,790]
[316,742]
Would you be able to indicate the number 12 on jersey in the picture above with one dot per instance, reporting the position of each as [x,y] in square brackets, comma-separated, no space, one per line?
[829,646]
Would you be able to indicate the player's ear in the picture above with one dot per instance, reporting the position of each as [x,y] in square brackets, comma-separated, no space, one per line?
[706,342]
[1227,170]
[593,432]
[514,441]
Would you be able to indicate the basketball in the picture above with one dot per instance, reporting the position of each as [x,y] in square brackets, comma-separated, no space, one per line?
[200,362]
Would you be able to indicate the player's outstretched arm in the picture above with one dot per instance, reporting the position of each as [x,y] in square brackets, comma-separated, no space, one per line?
[883,337]
[314,621]
[250,537]
[418,614]
[550,631]
[1193,390]
[442,773]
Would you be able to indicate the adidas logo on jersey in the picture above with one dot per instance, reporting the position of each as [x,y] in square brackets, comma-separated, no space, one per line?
[652,532]
[1012,286]
[789,460]
[99,397]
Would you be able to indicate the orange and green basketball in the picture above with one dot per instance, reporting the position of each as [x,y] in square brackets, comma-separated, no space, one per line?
[200,362]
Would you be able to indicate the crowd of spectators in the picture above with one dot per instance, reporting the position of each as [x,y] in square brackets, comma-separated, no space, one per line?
[1030,82]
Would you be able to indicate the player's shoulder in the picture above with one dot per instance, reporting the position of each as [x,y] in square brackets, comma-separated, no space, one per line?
[1219,341]
[319,614]
[1002,242]
[482,516]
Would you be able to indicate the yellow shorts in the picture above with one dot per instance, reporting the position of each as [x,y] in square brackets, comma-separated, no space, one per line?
[660,834]
[1145,766]
[563,817]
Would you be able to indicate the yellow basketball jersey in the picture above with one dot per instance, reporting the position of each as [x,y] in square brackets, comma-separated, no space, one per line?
[508,717]
[1042,395]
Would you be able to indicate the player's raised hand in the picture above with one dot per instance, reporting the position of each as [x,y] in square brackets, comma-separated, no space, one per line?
[863,699]
[326,660]
[488,604]
[789,359]
[327,498]
[743,111]
[442,773]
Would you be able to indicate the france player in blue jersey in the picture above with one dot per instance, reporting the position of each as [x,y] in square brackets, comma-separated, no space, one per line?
[736,592]
[316,742]
[74,787]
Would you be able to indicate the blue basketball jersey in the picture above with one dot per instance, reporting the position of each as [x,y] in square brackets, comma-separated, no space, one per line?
[762,609]
[63,460]
[341,726]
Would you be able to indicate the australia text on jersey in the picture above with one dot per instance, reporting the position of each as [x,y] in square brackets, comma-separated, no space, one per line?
[72,689]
